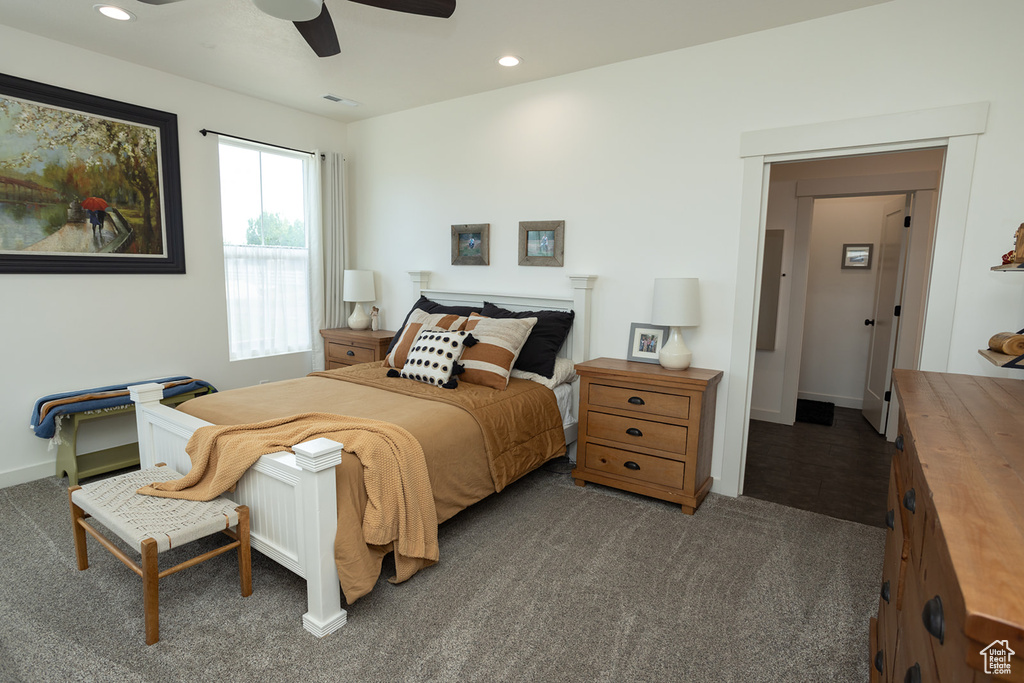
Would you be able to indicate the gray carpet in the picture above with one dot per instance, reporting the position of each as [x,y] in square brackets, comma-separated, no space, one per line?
[546,581]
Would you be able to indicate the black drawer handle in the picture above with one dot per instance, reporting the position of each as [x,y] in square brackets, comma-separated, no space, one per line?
[931,615]
[879,660]
[630,465]
[910,500]
[885,592]
[899,442]
[890,519]
[350,353]
[636,400]
[633,431]
[913,674]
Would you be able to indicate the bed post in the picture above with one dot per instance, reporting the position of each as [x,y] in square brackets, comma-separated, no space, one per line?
[582,286]
[419,280]
[145,396]
[317,459]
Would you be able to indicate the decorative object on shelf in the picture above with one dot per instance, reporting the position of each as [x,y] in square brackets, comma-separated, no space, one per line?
[676,305]
[857,256]
[1018,249]
[358,289]
[1006,350]
[471,244]
[132,154]
[645,341]
[375,319]
[542,243]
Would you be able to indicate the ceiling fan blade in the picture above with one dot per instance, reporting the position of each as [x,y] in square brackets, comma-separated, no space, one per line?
[320,34]
[158,2]
[428,8]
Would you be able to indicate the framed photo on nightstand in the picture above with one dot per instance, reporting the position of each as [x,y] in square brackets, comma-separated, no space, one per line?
[645,342]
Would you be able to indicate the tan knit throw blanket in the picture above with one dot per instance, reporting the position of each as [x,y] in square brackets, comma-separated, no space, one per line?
[400,508]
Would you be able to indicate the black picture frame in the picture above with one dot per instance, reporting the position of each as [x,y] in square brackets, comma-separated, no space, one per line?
[163,229]
[857,256]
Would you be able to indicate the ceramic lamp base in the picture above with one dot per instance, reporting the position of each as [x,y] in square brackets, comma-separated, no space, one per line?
[674,355]
[358,320]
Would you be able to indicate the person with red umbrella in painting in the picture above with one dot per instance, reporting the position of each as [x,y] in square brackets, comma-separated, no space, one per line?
[97,213]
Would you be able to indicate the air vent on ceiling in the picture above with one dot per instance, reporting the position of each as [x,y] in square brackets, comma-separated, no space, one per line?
[341,100]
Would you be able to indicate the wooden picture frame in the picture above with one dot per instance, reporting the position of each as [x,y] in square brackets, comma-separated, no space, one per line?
[66,148]
[542,243]
[857,256]
[471,244]
[645,341]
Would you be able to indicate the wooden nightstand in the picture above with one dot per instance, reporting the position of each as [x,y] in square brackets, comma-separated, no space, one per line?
[343,346]
[646,429]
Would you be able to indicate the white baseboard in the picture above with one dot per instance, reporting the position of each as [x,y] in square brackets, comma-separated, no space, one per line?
[26,474]
[840,401]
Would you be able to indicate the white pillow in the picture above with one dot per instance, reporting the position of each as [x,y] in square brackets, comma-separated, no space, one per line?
[434,357]
[565,371]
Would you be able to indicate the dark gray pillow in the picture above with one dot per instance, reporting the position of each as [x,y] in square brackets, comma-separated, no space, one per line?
[428,306]
[541,347]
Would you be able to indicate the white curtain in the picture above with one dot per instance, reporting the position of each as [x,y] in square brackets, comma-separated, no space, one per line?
[314,221]
[334,240]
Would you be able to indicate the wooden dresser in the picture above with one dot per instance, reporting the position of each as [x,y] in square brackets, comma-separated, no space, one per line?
[952,591]
[646,429]
[343,346]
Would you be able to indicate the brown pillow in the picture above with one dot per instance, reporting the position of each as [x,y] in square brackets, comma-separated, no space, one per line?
[417,321]
[499,341]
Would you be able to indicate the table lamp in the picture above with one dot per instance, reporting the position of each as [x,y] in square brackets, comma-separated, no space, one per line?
[358,288]
[676,305]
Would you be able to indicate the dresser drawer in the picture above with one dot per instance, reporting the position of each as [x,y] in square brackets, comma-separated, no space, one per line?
[636,466]
[633,431]
[348,353]
[642,401]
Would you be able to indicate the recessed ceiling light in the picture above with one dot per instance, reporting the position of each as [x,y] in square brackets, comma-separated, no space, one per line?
[114,12]
[509,60]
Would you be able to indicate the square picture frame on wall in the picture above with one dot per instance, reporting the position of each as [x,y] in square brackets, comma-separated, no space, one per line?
[542,243]
[471,244]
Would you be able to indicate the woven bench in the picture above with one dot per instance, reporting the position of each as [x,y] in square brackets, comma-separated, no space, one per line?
[154,525]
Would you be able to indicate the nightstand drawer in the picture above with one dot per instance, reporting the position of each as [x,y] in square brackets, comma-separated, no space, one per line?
[347,353]
[633,431]
[635,465]
[654,403]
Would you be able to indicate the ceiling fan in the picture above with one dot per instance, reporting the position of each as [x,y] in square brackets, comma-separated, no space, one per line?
[314,22]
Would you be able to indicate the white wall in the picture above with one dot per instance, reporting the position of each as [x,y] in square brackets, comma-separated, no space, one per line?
[641,161]
[65,332]
[834,360]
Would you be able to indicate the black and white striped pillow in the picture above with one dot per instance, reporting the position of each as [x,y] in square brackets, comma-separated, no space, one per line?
[434,357]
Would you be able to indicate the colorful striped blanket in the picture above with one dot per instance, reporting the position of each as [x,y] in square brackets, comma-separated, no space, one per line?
[49,409]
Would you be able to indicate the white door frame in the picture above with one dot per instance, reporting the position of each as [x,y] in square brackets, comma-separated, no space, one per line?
[955,128]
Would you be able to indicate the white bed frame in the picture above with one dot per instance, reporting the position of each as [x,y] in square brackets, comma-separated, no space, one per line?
[292,497]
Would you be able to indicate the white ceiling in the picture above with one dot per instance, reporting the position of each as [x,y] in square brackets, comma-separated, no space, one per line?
[392,61]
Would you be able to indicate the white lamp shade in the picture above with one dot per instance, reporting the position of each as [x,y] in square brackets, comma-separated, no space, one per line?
[358,286]
[292,10]
[676,302]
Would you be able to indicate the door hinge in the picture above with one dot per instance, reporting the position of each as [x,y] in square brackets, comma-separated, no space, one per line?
[896,312]
[906,221]
[888,396]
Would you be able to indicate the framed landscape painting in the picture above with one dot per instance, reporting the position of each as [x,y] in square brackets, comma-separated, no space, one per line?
[87,184]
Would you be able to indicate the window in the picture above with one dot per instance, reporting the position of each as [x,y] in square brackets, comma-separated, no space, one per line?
[266,218]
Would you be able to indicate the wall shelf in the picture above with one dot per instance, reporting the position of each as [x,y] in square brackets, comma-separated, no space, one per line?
[1003,360]
[1009,268]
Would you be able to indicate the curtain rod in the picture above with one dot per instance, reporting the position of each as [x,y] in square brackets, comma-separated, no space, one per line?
[268,144]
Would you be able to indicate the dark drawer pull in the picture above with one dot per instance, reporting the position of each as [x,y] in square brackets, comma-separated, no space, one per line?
[633,431]
[910,500]
[350,353]
[879,660]
[885,592]
[899,442]
[890,519]
[630,465]
[931,615]
[636,400]
[913,674]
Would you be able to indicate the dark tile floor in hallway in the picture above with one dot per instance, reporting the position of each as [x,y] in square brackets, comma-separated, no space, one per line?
[840,470]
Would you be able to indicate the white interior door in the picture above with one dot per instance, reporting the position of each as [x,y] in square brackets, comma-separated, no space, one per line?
[885,324]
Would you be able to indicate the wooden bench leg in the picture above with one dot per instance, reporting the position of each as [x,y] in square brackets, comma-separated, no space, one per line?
[77,515]
[151,590]
[244,553]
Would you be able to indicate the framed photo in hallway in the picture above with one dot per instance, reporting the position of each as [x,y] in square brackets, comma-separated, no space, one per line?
[87,184]
[857,256]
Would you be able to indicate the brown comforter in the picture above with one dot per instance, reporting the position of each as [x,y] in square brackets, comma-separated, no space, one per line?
[475,441]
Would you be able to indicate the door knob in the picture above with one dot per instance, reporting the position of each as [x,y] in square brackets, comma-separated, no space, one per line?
[868,321]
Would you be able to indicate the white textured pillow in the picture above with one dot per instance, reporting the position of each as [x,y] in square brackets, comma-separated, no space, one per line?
[419,320]
[565,371]
[434,357]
